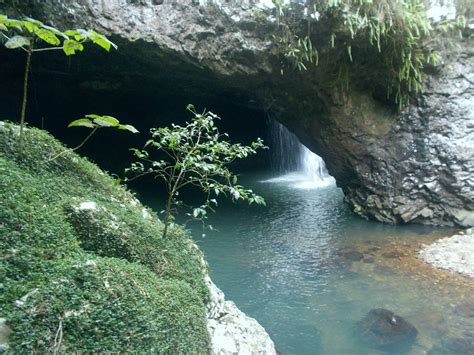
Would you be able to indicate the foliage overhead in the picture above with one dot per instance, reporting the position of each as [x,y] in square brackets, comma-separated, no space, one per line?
[28,33]
[196,154]
[32,35]
[382,41]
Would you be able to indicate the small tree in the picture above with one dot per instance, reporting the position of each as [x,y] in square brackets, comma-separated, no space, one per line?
[31,35]
[195,154]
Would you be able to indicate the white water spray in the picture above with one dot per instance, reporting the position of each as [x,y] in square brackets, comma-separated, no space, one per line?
[299,166]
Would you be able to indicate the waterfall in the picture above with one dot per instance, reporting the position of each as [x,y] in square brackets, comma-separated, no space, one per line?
[294,162]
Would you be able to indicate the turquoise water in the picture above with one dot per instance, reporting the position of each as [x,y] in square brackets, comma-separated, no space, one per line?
[308,269]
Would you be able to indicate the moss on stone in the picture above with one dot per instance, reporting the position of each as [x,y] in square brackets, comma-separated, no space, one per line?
[90,280]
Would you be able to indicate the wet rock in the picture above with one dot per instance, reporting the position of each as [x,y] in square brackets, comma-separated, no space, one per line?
[393,254]
[465,310]
[5,332]
[382,329]
[383,270]
[453,346]
[231,331]
[374,249]
[351,255]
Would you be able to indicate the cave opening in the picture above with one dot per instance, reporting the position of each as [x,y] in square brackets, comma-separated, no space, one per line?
[142,91]
[146,88]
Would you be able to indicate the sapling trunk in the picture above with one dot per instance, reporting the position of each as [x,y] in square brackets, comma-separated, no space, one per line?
[25,97]
[167,215]
[77,147]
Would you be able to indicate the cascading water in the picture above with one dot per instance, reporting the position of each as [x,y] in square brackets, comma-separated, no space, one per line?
[297,164]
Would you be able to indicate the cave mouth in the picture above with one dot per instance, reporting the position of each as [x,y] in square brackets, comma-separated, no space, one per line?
[146,88]
[142,91]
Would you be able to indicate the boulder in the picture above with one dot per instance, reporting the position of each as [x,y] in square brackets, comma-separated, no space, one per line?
[231,331]
[382,329]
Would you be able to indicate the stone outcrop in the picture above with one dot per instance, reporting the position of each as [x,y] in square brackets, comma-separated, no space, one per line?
[231,331]
[416,166]
[5,332]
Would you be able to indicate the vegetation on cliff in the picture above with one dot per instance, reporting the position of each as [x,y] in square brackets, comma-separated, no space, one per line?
[84,267]
[376,43]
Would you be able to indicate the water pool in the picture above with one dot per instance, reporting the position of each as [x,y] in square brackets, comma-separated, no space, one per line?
[308,269]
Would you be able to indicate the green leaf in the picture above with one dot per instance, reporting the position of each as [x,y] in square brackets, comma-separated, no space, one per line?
[32,21]
[55,31]
[13,23]
[92,115]
[17,42]
[105,121]
[82,122]
[128,128]
[70,47]
[75,34]
[3,27]
[30,26]
[48,36]
[101,41]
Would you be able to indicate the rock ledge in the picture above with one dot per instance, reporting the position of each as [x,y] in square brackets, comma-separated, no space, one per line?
[231,331]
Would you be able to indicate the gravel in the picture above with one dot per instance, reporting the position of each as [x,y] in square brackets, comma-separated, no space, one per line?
[455,253]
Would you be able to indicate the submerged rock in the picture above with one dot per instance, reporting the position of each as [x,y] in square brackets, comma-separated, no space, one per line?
[351,255]
[465,310]
[453,346]
[382,329]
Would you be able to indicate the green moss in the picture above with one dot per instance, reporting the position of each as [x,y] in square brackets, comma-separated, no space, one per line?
[147,295]
[109,304]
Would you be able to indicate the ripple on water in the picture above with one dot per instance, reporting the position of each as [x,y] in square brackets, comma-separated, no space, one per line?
[295,267]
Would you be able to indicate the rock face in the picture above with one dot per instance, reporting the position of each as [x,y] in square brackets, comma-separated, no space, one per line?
[416,166]
[5,332]
[453,253]
[382,329]
[233,332]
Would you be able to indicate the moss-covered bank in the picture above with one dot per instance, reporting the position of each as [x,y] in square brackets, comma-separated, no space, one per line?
[83,265]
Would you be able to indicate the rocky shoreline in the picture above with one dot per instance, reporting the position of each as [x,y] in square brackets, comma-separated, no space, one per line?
[231,331]
[453,253]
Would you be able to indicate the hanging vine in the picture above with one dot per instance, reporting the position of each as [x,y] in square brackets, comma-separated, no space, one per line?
[386,42]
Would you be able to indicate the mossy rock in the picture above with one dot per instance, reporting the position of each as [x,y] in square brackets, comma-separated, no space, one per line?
[156,295]
[97,304]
